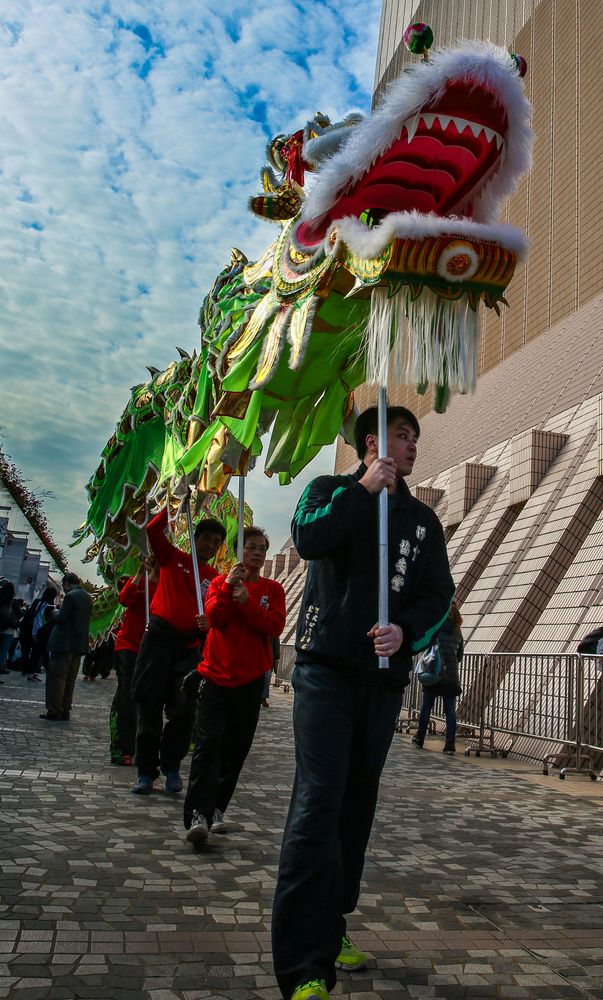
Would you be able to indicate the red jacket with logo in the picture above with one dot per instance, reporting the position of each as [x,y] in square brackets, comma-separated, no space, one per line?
[175,600]
[131,596]
[237,649]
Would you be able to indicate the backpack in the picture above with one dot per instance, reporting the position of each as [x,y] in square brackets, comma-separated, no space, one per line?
[430,668]
[39,618]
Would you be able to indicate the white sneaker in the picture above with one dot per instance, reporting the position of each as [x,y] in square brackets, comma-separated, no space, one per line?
[199,829]
[217,824]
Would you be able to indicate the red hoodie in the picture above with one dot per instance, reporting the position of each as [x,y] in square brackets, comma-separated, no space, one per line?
[131,596]
[237,649]
[175,600]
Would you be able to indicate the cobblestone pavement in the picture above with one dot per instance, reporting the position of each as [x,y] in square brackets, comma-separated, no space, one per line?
[479,883]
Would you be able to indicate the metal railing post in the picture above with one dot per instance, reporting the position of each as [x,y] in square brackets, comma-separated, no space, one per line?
[580,701]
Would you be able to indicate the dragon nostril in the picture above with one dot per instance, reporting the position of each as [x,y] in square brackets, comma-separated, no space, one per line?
[521,64]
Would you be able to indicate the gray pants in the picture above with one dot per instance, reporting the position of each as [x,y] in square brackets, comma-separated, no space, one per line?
[61,675]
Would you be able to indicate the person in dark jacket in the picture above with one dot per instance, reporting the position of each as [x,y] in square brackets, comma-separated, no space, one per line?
[345,706]
[170,648]
[42,624]
[588,645]
[450,645]
[67,644]
[8,621]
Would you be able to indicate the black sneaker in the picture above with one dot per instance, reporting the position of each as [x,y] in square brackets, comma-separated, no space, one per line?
[449,748]
[417,742]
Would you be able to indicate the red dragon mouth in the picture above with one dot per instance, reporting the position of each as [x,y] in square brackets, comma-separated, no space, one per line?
[439,163]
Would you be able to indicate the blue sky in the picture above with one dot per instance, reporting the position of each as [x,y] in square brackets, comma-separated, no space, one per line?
[131,136]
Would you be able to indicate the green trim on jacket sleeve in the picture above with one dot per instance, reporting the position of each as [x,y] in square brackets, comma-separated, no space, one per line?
[302,518]
[425,639]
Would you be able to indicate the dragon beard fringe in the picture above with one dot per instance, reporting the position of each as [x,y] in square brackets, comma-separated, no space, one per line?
[427,339]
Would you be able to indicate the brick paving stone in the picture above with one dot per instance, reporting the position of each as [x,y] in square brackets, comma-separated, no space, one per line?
[473,886]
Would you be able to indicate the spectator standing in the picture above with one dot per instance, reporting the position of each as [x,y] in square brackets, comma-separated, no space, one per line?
[15,655]
[589,645]
[122,714]
[448,688]
[41,626]
[170,648]
[276,655]
[345,706]
[67,644]
[25,635]
[8,621]
[245,612]
[99,659]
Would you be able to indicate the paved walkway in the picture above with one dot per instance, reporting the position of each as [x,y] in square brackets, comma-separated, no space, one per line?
[479,883]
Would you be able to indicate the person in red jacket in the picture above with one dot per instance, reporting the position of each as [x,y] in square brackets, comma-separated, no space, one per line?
[122,714]
[245,611]
[170,645]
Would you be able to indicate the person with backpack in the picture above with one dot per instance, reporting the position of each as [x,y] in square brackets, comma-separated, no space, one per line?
[441,679]
[41,626]
[67,644]
[591,644]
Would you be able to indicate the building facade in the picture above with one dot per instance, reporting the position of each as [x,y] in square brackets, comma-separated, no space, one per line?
[25,559]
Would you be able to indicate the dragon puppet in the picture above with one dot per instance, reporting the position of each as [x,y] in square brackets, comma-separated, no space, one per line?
[389,241]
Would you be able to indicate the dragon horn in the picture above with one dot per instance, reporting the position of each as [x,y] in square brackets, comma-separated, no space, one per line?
[183,354]
[153,371]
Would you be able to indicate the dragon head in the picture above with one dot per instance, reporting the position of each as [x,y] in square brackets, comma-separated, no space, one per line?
[450,140]
[407,200]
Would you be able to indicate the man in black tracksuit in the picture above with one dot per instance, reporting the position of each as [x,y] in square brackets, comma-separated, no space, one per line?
[345,707]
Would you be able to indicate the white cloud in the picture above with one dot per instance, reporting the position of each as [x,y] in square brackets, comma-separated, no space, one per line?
[131,138]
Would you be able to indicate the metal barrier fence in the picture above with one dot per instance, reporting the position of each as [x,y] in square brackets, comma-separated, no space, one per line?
[546,707]
[543,708]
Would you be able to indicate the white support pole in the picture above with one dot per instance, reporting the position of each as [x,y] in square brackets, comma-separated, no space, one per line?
[147,552]
[241,518]
[383,524]
[191,535]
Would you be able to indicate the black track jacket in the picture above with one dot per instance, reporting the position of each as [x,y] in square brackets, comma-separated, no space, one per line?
[335,527]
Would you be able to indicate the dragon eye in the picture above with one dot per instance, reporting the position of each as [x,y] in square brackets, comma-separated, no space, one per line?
[418,38]
[521,64]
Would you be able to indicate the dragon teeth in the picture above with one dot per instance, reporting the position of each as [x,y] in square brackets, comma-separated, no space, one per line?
[428,119]
[412,125]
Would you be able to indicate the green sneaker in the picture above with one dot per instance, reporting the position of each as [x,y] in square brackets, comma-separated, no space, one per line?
[350,957]
[316,989]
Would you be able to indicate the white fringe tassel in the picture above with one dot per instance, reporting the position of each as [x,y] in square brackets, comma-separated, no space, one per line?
[430,340]
[384,333]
